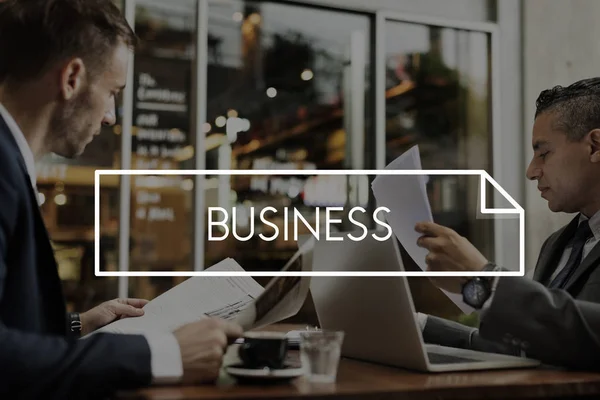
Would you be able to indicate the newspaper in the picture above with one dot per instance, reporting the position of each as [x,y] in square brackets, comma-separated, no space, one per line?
[237,298]
[284,295]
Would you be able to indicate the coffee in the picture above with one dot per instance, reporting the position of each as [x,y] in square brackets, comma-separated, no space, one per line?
[263,350]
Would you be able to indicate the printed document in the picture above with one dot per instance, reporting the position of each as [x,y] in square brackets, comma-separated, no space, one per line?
[236,298]
[406,197]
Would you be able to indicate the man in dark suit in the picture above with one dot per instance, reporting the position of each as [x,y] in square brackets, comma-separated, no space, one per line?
[62,64]
[562,302]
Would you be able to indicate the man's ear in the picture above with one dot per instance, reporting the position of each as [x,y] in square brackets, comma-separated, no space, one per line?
[72,78]
[595,145]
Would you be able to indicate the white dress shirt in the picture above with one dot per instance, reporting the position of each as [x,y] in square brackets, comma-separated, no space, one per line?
[589,245]
[166,361]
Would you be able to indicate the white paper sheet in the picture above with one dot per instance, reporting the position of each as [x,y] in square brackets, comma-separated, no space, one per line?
[406,197]
[195,298]
[238,298]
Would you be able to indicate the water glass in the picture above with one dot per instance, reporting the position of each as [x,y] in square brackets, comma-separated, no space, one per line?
[320,354]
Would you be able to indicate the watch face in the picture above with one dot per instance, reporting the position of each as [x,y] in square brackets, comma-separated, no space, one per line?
[475,293]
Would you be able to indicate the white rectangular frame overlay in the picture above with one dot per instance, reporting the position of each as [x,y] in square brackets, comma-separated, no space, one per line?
[484,210]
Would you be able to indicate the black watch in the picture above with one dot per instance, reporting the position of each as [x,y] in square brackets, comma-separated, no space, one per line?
[476,291]
[75,323]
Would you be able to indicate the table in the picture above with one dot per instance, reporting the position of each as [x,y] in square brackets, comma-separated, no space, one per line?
[363,380]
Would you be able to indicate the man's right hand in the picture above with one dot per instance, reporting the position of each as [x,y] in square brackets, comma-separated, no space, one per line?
[448,251]
[203,345]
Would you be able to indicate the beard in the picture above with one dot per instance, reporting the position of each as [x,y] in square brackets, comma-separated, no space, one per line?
[70,128]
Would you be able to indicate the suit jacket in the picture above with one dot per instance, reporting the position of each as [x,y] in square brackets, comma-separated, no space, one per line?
[560,330]
[38,359]
[583,285]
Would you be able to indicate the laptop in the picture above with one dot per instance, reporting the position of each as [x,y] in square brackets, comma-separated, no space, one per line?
[377,314]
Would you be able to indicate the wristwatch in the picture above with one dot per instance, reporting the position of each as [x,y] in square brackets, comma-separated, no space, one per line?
[75,323]
[477,290]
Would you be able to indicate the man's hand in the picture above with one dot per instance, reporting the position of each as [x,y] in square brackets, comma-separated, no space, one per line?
[203,345]
[110,311]
[448,251]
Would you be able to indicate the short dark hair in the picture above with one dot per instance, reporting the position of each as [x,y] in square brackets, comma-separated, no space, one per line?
[577,107]
[35,34]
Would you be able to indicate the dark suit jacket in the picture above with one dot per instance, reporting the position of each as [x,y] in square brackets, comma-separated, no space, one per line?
[549,324]
[583,285]
[37,357]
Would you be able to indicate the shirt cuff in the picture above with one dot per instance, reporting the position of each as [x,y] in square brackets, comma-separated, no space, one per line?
[167,367]
[422,319]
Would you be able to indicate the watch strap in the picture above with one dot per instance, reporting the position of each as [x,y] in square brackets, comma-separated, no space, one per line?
[75,325]
[489,267]
[492,267]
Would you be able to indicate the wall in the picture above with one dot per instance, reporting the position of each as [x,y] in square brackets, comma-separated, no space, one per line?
[560,52]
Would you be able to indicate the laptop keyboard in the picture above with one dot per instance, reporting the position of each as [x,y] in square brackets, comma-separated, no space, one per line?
[436,358]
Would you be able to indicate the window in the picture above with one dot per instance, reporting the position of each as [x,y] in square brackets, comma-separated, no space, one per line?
[438,96]
[278,90]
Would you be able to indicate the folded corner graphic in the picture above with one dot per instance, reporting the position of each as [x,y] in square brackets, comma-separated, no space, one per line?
[501,195]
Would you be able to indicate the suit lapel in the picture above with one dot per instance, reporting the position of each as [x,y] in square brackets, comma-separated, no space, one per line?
[553,251]
[588,262]
[46,265]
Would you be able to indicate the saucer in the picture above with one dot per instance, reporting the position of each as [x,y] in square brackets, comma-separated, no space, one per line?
[293,343]
[289,371]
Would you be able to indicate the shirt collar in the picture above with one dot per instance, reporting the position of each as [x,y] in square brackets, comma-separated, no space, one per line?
[594,224]
[24,148]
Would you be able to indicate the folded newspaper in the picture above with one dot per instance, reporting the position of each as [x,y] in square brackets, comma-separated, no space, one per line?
[237,298]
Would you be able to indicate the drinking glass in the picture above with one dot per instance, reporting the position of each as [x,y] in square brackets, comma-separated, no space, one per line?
[320,354]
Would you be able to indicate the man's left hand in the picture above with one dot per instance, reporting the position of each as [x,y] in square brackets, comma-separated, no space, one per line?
[448,251]
[110,311]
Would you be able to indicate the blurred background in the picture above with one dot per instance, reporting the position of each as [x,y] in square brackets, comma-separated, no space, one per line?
[320,84]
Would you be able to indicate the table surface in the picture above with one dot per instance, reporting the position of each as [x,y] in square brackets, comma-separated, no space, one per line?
[362,380]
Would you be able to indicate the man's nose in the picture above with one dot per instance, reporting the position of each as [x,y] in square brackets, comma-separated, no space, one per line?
[533,172]
[109,119]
